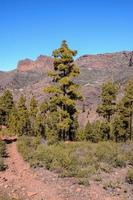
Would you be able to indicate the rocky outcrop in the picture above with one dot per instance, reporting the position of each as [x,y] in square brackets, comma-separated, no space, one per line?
[41,64]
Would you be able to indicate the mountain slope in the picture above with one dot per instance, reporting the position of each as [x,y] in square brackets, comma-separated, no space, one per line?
[31,76]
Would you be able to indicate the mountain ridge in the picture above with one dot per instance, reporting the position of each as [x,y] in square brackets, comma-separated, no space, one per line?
[30,76]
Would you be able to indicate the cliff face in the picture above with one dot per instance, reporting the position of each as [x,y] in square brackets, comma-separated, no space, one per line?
[41,64]
[31,76]
[28,72]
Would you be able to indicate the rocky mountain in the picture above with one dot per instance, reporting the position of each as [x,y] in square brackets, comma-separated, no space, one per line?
[41,64]
[30,77]
[28,72]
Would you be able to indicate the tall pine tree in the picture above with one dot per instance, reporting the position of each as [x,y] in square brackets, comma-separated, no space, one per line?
[6,105]
[129,104]
[33,110]
[64,94]
[13,121]
[107,107]
[24,126]
[120,122]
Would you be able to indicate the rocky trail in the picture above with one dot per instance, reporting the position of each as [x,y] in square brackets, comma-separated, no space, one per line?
[21,182]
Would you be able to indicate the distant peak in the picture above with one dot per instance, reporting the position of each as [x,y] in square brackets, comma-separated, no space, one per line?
[42,63]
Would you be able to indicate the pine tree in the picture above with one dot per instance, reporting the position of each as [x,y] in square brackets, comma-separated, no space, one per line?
[128,99]
[39,126]
[13,121]
[2,116]
[64,93]
[120,122]
[24,126]
[108,105]
[97,130]
[6,105]
[33,110]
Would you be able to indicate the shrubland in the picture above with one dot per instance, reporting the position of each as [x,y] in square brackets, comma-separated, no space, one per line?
[76,159]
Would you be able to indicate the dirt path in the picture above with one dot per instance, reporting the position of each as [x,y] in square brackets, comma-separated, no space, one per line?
[20,181]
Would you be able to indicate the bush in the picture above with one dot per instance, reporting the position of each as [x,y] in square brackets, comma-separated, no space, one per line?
[129,176]
[93,132]
[81,135]
[119,161]
[75,159]
[2,166]
[2,154]
[106,152]
[83,181]
[112,185]
[25,147]
[5,197]
[2,149]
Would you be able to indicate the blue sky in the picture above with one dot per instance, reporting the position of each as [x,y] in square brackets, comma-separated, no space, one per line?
[29,28]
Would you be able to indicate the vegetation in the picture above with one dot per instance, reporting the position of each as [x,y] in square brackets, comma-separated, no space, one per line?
[6,105]
[80,159]
[49,134]
[62,114]
[129,177]
[5,197]
[57,119]
[2,154]
[108,105]
[116,123]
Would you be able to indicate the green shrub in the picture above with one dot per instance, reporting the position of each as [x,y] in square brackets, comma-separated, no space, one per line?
[2,149]
[105,167]
[25,147]
[2,154]
[5,197]
[83,181]
[2,166]
[129,176]
[119,161]
[112,185]
[75,159]
[81,135]
[106,152]
[131,159]
[98,178]
[93,132]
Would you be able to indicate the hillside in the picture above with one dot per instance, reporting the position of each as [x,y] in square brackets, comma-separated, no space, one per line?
[30,77]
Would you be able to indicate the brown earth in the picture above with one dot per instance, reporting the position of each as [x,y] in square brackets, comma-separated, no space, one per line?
[20,181]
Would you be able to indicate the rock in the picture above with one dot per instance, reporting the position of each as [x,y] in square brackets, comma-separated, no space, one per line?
[78,190]
[6,186]
[43,63]
[31,194]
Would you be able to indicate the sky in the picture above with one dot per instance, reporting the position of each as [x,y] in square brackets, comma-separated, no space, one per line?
[29,28]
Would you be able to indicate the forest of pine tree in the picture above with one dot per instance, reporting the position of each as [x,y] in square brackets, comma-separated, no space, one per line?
[57,119]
